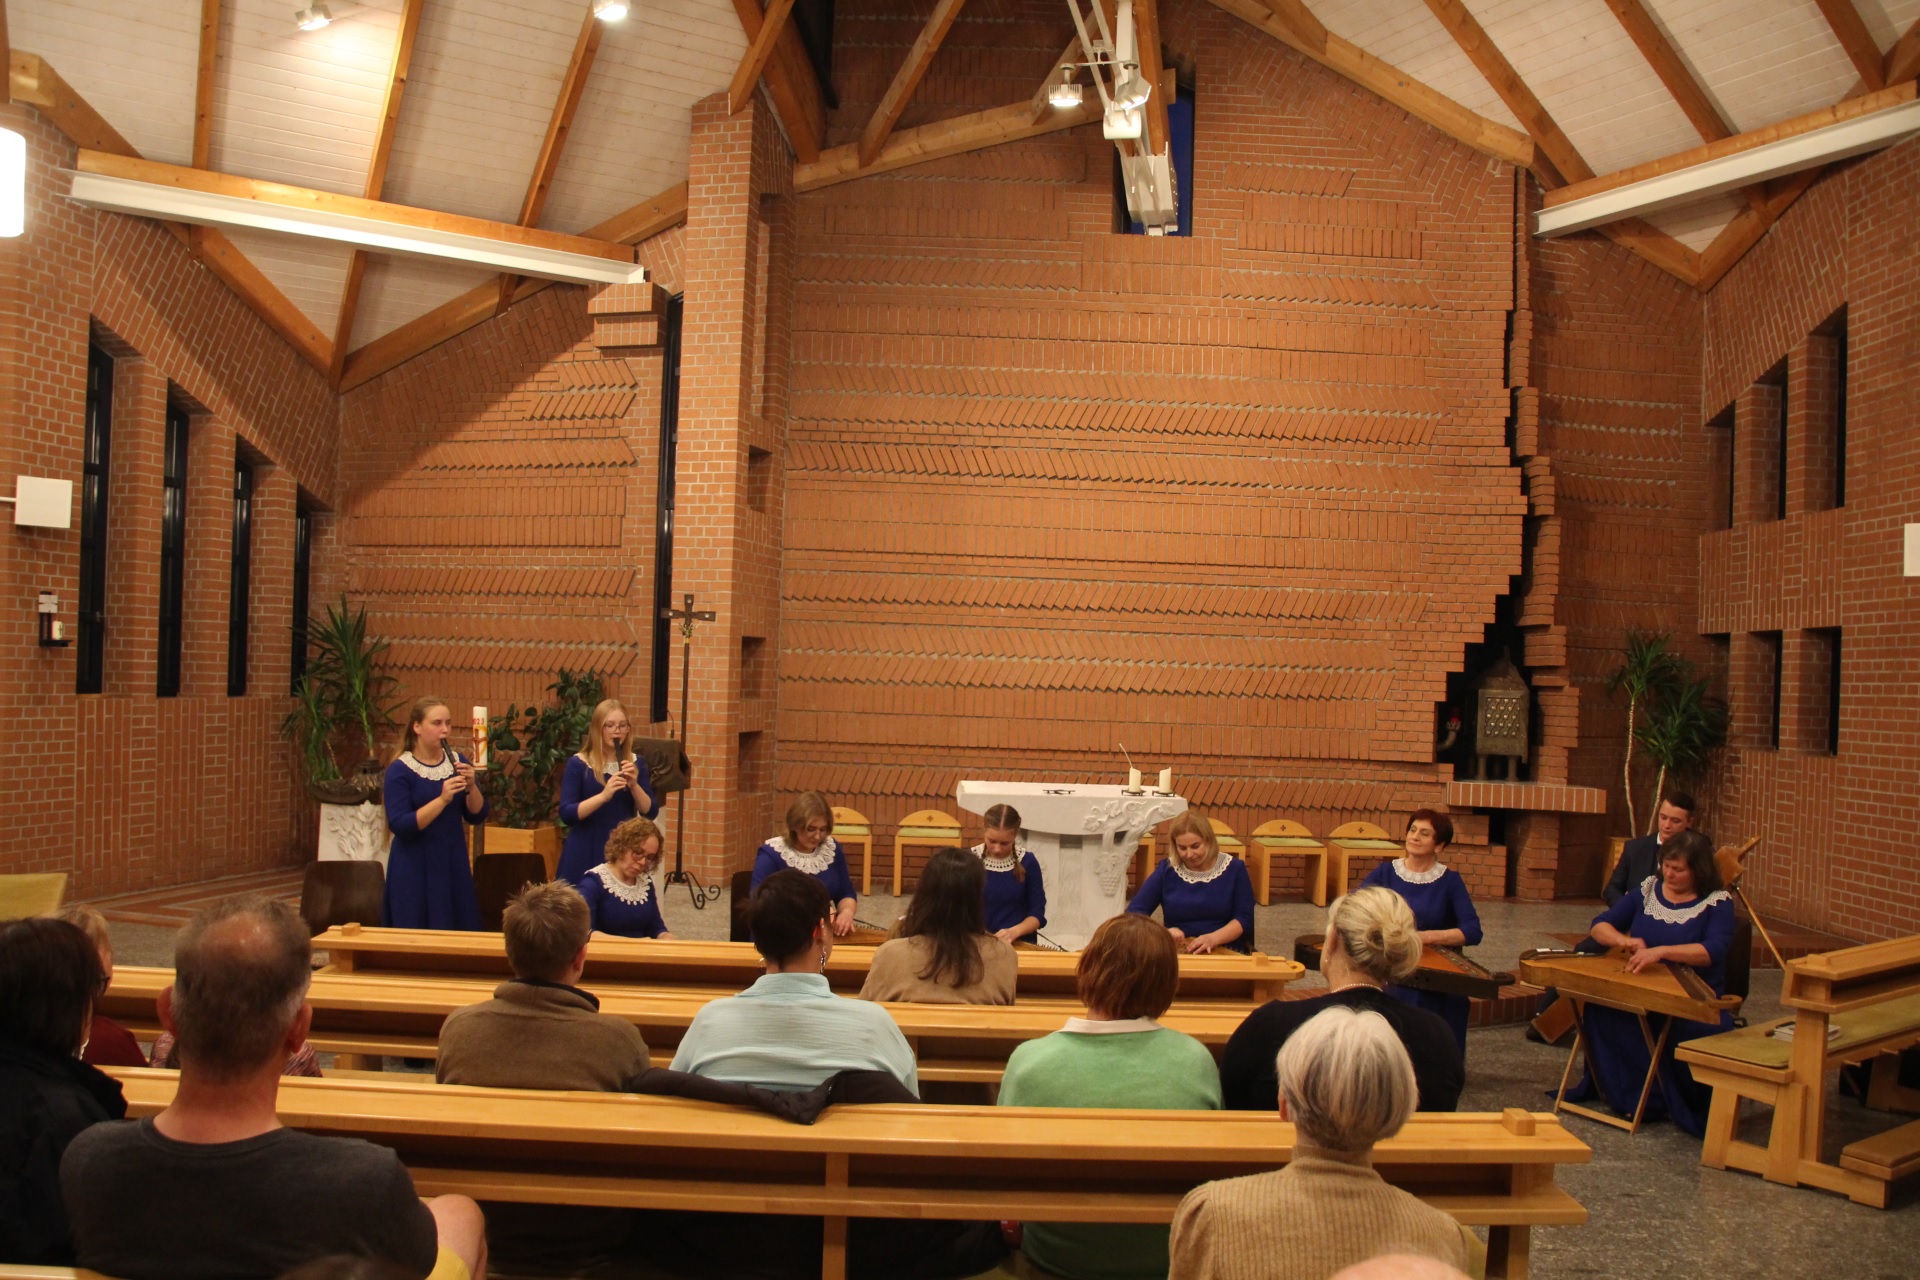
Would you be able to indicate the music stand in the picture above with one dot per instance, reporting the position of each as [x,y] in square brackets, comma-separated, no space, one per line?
[686,616]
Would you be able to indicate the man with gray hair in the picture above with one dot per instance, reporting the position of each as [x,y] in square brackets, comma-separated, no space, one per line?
[213,1185]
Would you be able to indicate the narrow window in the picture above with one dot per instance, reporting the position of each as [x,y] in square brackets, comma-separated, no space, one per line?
[90,665]
[1828,345]
[302,588]
[1770,659]
[663,509]
[1720,440]
[1823,655]
[237,592]
[173,552]
[1780,449]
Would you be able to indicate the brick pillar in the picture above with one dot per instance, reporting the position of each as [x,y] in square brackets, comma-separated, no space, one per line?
[1813,379]
[1756,454]
[723,546]
[133,528]
[276,499]
[209,558]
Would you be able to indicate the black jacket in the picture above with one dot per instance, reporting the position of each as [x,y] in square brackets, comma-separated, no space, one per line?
[44,1102]
[1640,859]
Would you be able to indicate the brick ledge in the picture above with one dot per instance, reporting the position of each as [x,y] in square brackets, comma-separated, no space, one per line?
[1540,797]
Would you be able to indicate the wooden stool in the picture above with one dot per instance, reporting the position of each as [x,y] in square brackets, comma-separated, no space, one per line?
[924,827]
[340,892]
[1362,838]
[1283,838]
[498,876]
[851,828]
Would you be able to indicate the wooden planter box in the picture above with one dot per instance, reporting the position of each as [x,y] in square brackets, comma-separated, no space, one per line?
[543,840]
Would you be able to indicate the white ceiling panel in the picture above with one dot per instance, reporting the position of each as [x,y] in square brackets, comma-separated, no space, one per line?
[134,62]
[629,139]
[1696,225]
[396,290]
[1762,60]
[312,273]
[1406,35]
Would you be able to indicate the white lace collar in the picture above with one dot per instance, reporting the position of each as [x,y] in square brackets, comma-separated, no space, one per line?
[1428,876]
[998,864]
[811,863]
[432,773]
[1652,904]
[1110,1026]
[1219,868]
[634,895]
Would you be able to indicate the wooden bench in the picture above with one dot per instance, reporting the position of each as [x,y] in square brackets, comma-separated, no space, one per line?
[956,1162]
[1871,994]
[1225,976]
[364,1016]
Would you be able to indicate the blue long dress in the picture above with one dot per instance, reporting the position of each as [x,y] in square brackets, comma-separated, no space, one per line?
[1008,901]
[1196,905]
[1617,1054]
[627,910]
[586,846]
[827,864]
[1439,902]
[429,880]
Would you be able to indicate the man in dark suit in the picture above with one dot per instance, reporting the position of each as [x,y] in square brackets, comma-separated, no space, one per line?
[1641,857]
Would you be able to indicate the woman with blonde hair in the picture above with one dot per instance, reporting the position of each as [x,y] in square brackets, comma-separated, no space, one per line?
[1204,894]
[1346,1083]
[1372,942]
[808,847]
[429,791]
[604,785]
[619,892]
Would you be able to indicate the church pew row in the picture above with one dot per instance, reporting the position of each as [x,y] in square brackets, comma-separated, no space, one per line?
[1227,976]
[981,1163]
[362,1016]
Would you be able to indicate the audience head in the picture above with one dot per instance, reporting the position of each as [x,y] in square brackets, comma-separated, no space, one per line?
[546,926]
[607,733]
[1376,931]
[1345,1080]
[1675,814]
[49,976]
[1191,838]
[1129,969]
[1401,1266]
[343,1266]
[240,976]
[428,722]
[1687,864]
[1428,832]
[1002,837]
[94,925]
[786,912]
[949,908]
[637,839]
[809,821]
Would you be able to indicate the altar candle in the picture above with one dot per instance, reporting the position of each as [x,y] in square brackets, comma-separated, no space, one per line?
[480,737]
[1166,780]
[1133,779]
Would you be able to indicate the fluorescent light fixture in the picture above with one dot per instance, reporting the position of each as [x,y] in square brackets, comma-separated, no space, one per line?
[1131,90]
[313,17]
[1731,172]
[609,10]
[182,204]
[1066,92]
[13,183]
[1116,125]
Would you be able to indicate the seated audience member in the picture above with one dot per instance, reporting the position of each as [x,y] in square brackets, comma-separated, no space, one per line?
[1371,941]
[49,975]
[540,1030]
[1203,892]
[1641,856]
[1115,1056]
[108,1043]
[213,1185]
[1401,1266]
[1345,1083]
[619,892]
[788,1030]
[944,954]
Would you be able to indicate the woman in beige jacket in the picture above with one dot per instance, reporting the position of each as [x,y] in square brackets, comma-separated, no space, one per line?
[944,954]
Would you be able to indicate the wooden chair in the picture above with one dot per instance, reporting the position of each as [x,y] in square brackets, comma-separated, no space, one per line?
[341,892]
[1283,838]
[498,876]
[923,828]
[1354,838]
[851,828]
[33,894]
[1143,858]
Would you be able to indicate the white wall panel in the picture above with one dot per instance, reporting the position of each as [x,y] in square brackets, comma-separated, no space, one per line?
[1406,35]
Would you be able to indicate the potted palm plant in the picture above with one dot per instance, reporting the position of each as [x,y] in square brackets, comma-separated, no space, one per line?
[1681,734]
[1649,672]
[340,705]
[528,752]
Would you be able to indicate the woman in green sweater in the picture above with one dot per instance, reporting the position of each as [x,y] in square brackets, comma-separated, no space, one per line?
[1116,1056]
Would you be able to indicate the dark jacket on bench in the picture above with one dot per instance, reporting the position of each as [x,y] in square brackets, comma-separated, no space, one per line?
[45,1102]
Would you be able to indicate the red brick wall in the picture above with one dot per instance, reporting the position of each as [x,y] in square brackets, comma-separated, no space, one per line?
[1836,851]
[123,789]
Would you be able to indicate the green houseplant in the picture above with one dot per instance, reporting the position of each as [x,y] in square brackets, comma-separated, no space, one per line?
[528,750]
[1649,672]
[1680,735]
[343,698]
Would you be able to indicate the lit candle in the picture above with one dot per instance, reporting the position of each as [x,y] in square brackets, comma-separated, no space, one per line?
[480,737]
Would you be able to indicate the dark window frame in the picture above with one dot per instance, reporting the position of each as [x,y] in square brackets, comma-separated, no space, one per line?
[95,468]
[173,552]
[664,500]
[239,584]
[1774,642]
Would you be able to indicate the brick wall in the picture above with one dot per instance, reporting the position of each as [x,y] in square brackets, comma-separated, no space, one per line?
[1836,852]
[124,789]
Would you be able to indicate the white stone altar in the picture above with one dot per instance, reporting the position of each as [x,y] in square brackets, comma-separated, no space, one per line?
[1083,837]
[354,833]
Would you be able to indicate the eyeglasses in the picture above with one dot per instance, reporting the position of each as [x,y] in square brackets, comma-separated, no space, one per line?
[817,828]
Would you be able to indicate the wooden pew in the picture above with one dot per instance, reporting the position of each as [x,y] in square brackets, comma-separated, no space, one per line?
[369,1015]
[981,1163]
[1871,994]
[1227,976]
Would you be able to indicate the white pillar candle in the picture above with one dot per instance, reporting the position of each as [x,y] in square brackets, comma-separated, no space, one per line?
[1133,779]
[1166,780]
[480,737]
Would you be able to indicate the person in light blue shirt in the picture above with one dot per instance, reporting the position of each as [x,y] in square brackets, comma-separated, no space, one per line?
[789,1030]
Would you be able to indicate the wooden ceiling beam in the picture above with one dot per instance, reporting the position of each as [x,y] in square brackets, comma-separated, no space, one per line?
[573,85]
[907,79]
[1484,54]
[1903,60]
[791,83]
[942,139]
[1673,72]
[1851,31]
[376,178]
[204,83]
[746,76]
[1146,25]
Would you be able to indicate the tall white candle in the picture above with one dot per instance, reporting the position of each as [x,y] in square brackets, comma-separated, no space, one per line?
[480,737]
[1166,780]
[1133,779]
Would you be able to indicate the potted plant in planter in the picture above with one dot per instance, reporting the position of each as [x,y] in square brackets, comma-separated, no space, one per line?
[529,750]
[340,704]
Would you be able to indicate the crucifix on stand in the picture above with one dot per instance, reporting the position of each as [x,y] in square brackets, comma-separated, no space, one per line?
[686,617]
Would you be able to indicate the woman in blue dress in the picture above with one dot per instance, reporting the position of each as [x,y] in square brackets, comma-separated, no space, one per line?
[1015,896]
[429,791]
[809,848]
[603,785]
[619,892]
[1204,895]
[1681,916]
[1440,905]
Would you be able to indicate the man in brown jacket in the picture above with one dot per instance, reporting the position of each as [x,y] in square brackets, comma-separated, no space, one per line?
[540,1030]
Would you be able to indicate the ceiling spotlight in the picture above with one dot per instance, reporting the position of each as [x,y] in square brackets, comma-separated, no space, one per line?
[313,17]
[1131,90]
[609,10]
[1066,92]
